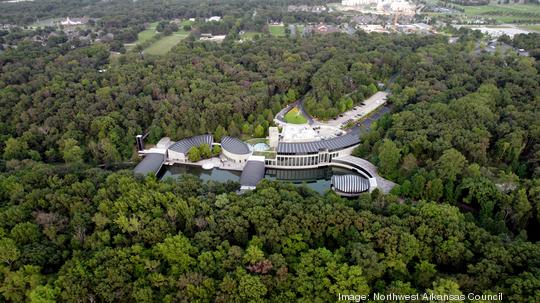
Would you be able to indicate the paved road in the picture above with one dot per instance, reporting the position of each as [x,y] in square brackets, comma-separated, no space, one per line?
[304,112]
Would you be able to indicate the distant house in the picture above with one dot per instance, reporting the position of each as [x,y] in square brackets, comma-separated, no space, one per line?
[322,28]
[523,52]
[213,18]
[357,2]
[74,21]
[305,8]
[210,37]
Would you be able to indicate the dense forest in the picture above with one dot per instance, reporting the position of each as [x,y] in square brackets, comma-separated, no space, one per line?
[57,99]
[92,236]
[462,142]
[125,13]
[466,131]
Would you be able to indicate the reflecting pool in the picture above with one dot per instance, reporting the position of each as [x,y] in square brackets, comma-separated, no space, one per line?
[317,179]
[260,147]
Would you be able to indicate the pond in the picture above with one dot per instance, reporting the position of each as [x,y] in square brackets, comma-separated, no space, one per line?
[317,179]
[215,174]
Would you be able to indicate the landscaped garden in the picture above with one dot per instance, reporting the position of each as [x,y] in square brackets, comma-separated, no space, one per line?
[295,116]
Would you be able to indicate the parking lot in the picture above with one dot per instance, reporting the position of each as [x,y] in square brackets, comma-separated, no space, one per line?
[359,111]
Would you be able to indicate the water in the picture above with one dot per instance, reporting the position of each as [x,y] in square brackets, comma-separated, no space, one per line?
[260,147]
[317,179]
[215,174]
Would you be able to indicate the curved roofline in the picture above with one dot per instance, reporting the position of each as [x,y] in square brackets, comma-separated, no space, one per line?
[252,173]
[350,184]
[234,146]
[313,147]
[151,163]
[184,145]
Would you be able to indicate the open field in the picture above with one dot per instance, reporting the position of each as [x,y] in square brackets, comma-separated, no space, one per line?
[505,13]
[294,116]
[277,30]
[165,44]
[533,27]
[143,36]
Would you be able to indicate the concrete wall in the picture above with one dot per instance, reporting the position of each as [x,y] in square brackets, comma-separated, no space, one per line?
[176,156]
[235,157]
[273,137]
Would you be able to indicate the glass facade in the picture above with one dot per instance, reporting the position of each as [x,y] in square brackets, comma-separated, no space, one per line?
[301,160]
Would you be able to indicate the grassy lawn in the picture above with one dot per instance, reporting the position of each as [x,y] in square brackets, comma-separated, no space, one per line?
[250,35]
[295,117]
[147,34]
[186,22]
[505,13]
[165,44]
[277,30]
[143,36]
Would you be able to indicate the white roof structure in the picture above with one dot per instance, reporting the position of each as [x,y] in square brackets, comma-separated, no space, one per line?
[214,18]
[298,133]
[68,21]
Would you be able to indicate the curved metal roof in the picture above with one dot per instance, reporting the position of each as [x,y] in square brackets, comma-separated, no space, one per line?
[314,147]
[350,184]
[252,173]
[234,145]
[184,145]
[150,164]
